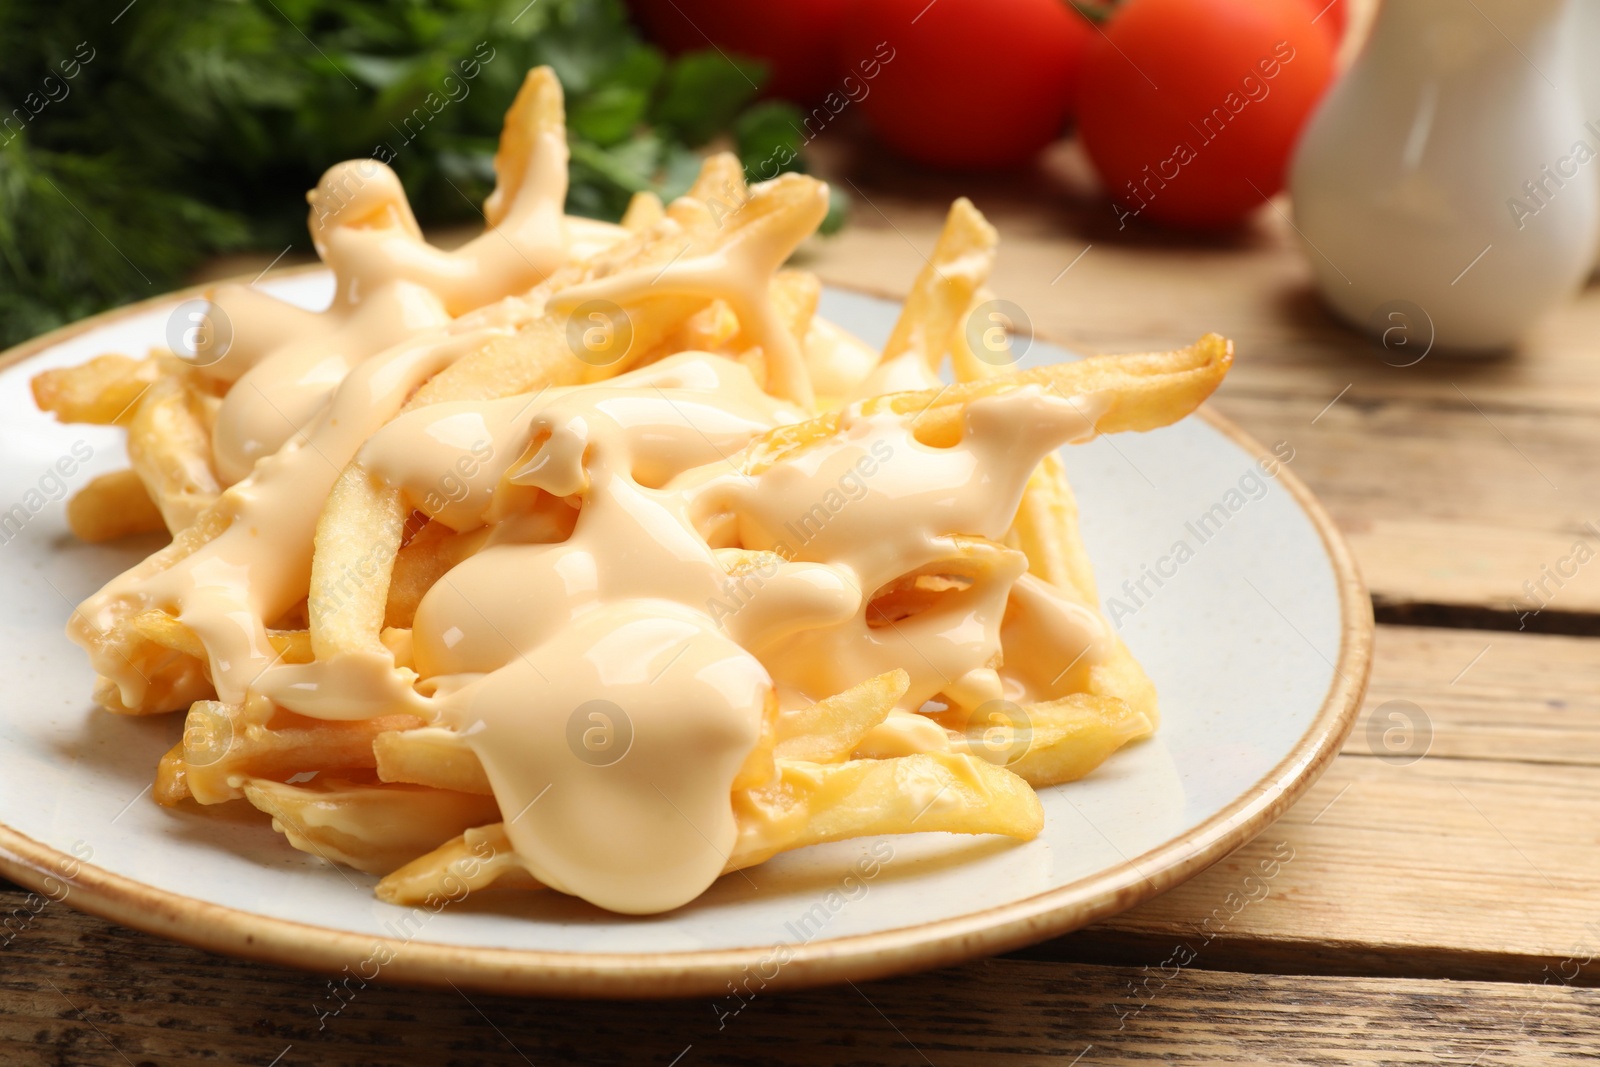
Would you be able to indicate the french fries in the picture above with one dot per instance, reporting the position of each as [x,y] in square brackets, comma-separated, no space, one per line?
[169,445]
[829,730]
[938,300]
[808,804]
[700,313]
[1139,392]
[373,829]
[111,506]
[101,391]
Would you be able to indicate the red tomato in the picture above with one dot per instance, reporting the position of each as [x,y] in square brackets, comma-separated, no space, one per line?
[795,37]
[1190,108]
[966,83]
[1331,16]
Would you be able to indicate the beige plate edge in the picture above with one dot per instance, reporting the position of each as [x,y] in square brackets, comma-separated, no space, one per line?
[863,956]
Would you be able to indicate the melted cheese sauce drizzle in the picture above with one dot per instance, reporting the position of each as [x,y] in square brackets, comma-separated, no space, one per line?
[611,513]
[390,285]
[308,388]
[634,617]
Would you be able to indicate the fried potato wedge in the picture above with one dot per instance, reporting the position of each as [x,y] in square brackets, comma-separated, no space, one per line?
[644,211]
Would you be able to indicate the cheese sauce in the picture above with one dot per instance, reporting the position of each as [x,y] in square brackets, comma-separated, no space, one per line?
[642,601]
[634,616]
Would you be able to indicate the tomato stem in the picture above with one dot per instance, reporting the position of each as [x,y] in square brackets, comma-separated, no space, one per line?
[1096,11]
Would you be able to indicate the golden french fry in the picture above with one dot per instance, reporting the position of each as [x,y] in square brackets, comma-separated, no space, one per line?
[292,646]
[537,110]
[168,632]
[422,562]
[758,237]
[1046,531]
[807,804]
[373,828]
[172,778]
[432,755]
[708,330]
[644,211]
[1138,392]
[1053,742]
[169,446]
[829,730]
[357,540]
[111,506]
[1119,675]
[936,791]
[536,356]
[223,743]
[173,679]
[721,180]
[479,858]
[967,364]
[760,766]
[940,297]
[795,294]
[101,391]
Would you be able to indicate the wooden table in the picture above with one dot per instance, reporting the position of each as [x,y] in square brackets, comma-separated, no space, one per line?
[1444,909]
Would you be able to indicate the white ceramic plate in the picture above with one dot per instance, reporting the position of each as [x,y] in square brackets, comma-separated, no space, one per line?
[1258,644]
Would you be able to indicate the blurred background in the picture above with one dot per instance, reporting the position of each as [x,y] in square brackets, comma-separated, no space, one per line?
[145,143]
[142,142]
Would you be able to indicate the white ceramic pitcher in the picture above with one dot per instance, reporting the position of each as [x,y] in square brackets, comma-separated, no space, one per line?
[1585,59]
[1452,169]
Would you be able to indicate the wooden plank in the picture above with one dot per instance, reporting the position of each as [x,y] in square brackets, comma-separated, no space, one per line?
[72,995]
[1451,504]
[1470,853]
[1486,696]
[1414,865]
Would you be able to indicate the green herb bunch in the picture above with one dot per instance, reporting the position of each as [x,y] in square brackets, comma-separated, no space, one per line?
[136,142]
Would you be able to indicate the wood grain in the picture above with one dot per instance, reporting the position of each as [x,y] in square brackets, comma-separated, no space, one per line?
[1489,696]
[68,997]
[1468,853]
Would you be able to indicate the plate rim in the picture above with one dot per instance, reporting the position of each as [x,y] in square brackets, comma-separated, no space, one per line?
[307,946]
